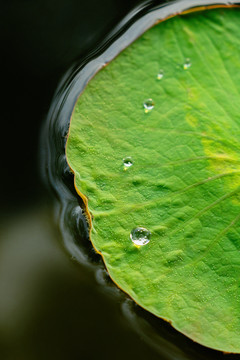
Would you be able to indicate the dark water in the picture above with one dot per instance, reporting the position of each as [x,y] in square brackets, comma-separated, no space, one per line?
[56,300]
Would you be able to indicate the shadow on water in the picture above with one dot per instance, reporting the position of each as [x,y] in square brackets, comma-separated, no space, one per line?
[166,341]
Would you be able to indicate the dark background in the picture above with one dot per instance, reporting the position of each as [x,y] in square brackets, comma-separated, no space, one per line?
[40,40]
[51,307]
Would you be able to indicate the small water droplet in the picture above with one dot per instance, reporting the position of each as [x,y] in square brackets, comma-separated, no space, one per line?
[187,64]
[160,75]
[127,162]
[148,105]
[140,236]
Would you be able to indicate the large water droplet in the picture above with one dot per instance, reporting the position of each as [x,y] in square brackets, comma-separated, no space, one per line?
[160,74]
[140,236]
[127,162]
[148,105]
[187,64]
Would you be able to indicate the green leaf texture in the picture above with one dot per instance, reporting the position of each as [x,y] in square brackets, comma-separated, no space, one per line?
[184,183]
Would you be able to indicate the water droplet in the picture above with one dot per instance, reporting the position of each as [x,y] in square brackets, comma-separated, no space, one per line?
[187,64]
[148,105]
[160,75]
[140,236]
[127,162]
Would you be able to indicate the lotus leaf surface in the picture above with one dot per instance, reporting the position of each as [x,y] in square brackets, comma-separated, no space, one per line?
[173,170]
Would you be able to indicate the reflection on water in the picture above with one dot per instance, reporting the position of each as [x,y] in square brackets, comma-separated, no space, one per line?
[52,307]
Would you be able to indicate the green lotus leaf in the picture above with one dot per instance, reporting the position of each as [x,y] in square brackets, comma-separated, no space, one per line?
[154,146]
